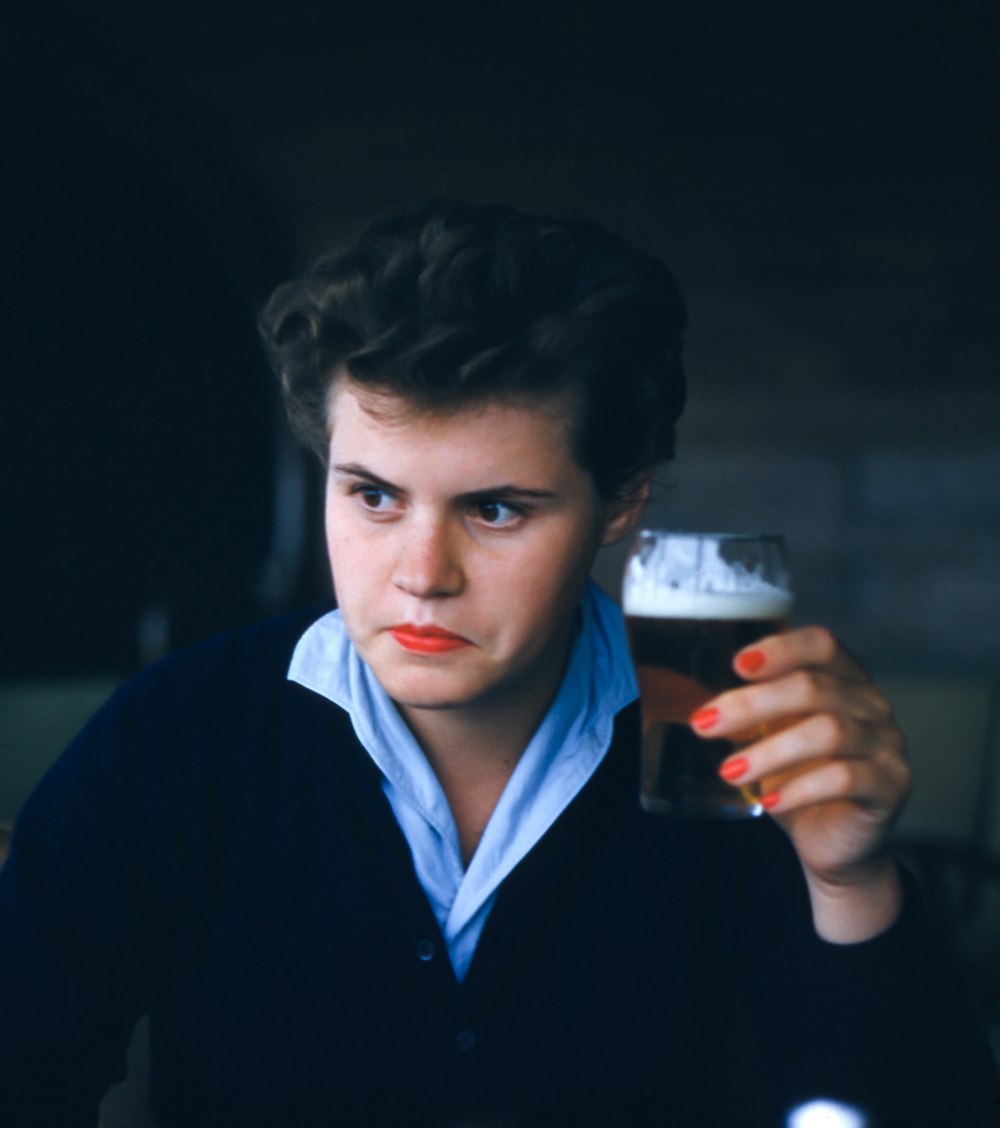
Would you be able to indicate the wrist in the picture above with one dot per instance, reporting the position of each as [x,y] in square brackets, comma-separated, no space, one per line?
[858,906]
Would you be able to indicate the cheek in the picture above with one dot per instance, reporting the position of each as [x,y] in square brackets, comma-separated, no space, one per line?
[551,583]
[353,568]
[342,539]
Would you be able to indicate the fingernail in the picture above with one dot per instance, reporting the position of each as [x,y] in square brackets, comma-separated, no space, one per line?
[704,718]
[731,770]
[771,800]
[752,662]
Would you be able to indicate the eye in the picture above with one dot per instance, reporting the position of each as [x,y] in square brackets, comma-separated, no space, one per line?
[498,514]
[374,499]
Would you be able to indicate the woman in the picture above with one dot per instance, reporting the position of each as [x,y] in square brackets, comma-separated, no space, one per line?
[385,863]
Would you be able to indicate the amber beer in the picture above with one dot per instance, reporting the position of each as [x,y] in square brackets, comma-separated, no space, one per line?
[683,643]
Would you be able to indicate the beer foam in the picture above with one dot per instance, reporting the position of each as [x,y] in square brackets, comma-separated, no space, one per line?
[706,576]
[655,602]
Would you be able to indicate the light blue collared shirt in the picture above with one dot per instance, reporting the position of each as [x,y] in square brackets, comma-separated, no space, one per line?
[564,753]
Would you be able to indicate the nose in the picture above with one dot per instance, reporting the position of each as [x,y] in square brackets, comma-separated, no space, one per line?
[429,563]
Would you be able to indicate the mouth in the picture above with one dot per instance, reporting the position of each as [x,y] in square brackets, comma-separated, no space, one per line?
[427,640]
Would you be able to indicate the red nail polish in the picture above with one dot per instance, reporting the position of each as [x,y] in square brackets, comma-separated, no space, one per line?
[751,663]
[731,770]
[771,800]
[704,718]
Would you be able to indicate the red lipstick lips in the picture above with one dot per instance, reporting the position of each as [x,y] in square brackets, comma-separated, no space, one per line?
[427,640]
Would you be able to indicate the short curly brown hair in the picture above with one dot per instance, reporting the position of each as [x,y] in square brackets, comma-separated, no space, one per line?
[452,303]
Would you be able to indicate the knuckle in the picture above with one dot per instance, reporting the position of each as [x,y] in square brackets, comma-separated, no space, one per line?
[824,643]
[879,704]
[889,744]
[806,687]
[895,742]
[899,765]
[907,786]
[905,778]
[843,777]
[832,730]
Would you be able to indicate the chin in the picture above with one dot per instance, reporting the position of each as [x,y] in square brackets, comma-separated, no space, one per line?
[425,691]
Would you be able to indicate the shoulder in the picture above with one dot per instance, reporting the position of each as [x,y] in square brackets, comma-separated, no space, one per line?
[186,744]
[216,707]
[260,648]
[242,664]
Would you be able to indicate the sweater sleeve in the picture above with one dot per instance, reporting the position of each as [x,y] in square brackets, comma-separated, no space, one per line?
[884,1025]
[116,861]
[72,979]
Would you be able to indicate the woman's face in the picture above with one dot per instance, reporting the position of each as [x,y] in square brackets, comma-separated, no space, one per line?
[460,543]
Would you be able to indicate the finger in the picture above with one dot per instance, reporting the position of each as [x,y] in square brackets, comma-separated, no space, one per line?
[804,647]
[877,787]
[819,738]
[752,708]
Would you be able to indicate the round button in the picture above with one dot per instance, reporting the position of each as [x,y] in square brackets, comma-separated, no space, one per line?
[425,950]
[464,1041]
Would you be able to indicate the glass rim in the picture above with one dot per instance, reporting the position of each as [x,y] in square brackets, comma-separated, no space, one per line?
[693,534]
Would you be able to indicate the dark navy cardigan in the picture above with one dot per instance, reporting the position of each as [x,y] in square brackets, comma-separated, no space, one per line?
[215,850]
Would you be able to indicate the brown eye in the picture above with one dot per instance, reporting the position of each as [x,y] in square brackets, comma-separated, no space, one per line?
[498,514]
[374,499]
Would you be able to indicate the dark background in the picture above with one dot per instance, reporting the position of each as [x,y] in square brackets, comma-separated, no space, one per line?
[822,178]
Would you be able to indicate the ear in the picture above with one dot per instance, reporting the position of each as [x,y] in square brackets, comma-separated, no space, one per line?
[626,508]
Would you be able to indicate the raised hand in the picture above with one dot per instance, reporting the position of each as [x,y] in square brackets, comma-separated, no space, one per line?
[831,766]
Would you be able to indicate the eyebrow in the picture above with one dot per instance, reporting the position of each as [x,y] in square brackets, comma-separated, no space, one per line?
[506,490]
[356,470]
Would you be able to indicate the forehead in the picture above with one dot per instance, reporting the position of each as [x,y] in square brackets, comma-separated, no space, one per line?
[497,429]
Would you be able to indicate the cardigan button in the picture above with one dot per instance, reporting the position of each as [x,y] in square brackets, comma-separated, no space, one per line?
[425,950]
[464,1041]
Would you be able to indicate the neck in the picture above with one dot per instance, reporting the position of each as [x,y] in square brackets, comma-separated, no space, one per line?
[475,749]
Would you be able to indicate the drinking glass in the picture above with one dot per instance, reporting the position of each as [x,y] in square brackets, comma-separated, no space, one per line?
[691,601]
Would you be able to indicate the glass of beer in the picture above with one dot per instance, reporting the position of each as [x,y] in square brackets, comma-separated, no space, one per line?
[691,601]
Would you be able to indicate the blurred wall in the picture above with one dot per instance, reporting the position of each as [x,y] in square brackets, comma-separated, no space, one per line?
[822,178]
